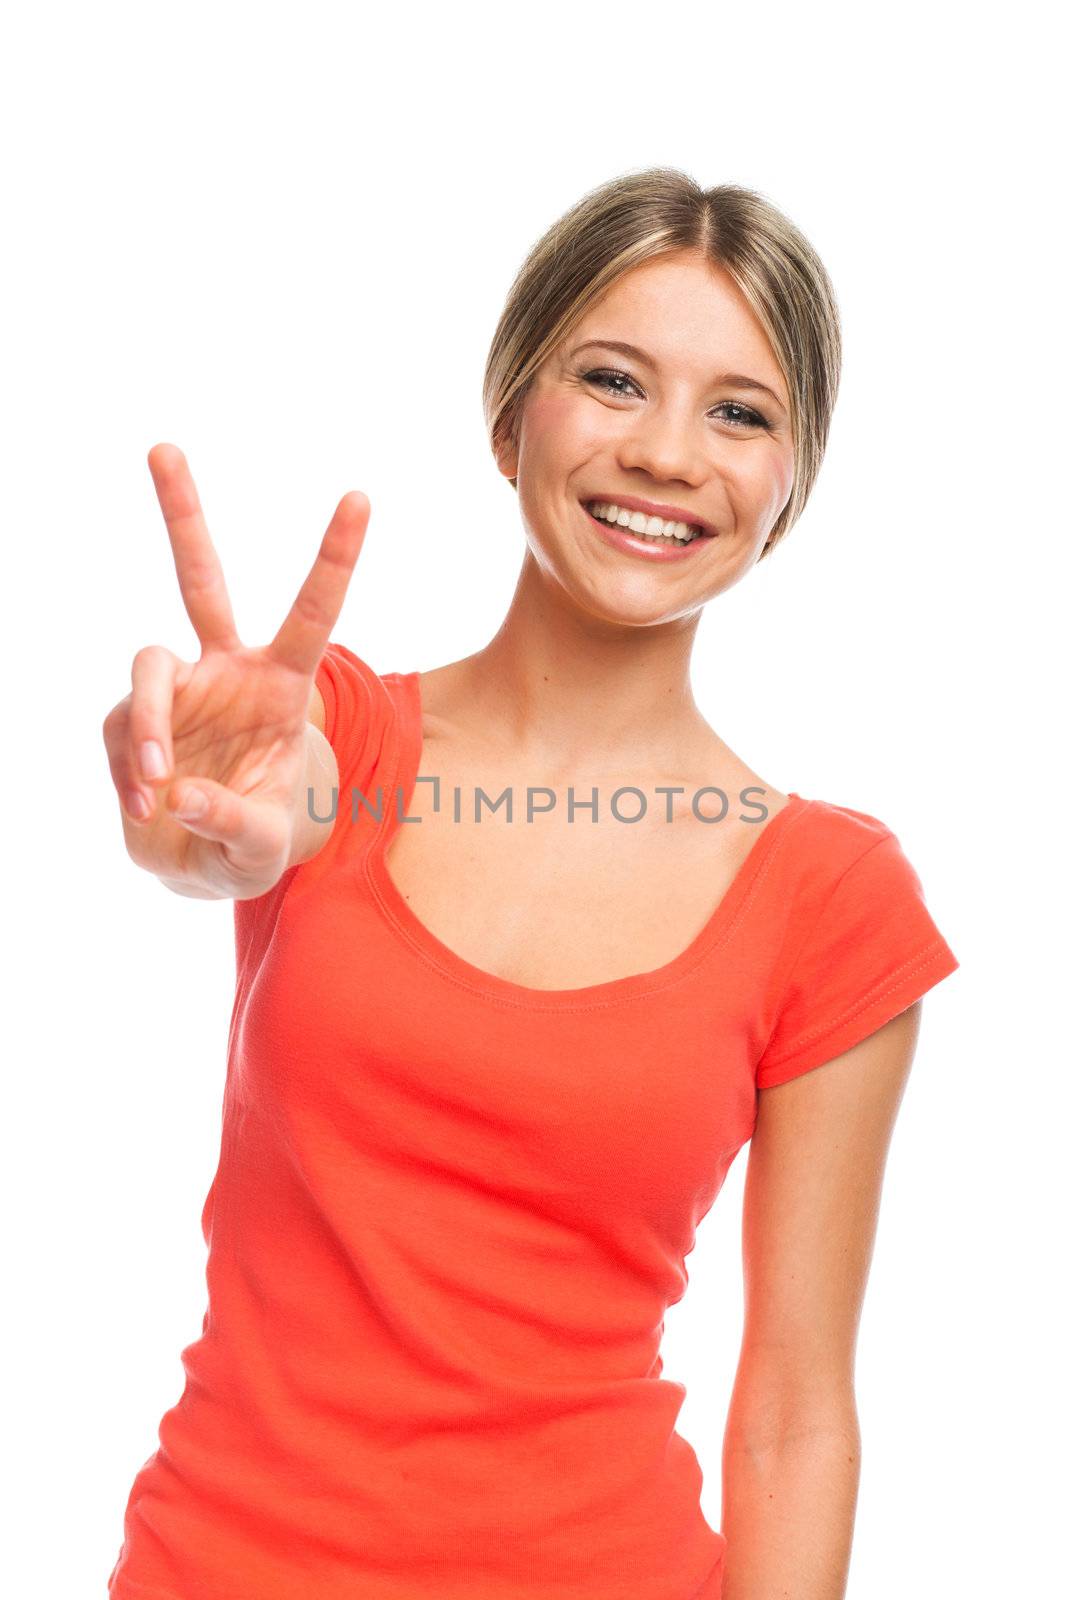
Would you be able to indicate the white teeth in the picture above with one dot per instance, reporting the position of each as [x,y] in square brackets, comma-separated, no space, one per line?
[637,522]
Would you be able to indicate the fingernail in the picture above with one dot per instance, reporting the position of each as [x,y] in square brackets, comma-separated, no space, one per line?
[137,805]
[193,803]
[153,762]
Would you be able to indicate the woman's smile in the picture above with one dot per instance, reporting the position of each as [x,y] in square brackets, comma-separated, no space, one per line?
[639,540]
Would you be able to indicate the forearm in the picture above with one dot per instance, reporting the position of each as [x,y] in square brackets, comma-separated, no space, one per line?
[789,1505]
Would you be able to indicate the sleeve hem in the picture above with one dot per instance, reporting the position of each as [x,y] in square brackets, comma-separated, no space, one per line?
[325,686]
[891,996]
[347,684]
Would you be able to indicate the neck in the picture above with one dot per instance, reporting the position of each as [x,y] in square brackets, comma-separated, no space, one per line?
[568,689]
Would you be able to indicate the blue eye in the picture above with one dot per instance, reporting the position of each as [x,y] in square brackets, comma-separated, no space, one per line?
[747,418]
[600,373]
[742,416]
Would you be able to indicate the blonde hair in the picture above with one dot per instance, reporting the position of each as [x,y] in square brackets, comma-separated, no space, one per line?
[632,219]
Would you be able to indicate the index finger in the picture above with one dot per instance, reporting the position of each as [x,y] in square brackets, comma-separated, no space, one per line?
[199,570]
[303,636]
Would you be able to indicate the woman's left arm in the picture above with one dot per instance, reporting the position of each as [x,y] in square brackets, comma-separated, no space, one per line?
[791,1450]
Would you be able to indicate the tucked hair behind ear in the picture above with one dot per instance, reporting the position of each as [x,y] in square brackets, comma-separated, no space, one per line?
[632,219]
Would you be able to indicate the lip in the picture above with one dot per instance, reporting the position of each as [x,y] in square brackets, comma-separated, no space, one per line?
[651,508]
[634,544]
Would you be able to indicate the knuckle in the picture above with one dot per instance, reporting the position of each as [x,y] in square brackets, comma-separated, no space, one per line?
[311,610]
[150,656]
[137,846]
[115,717]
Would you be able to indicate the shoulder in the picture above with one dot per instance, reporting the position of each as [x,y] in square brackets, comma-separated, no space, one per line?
[856,943]
[344,679]
[829,855]
[839,835]
[359,710]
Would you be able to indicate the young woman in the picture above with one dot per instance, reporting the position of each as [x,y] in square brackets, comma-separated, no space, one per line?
[487,1072]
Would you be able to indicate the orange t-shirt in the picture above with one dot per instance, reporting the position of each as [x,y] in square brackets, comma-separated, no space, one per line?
[450,1214]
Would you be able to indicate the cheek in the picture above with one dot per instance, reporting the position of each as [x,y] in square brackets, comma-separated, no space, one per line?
[766,478]
[558,426]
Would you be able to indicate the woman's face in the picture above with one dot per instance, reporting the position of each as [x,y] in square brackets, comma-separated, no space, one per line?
[694,416]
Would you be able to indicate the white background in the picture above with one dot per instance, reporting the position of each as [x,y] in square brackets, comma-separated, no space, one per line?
[281,238]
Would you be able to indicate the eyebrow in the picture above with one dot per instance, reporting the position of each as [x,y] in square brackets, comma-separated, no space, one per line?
[736,380]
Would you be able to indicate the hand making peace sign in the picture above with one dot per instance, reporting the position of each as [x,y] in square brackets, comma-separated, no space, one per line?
[231,725]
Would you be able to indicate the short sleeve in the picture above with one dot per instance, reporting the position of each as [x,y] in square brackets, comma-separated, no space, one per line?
[873,951]
[357,711]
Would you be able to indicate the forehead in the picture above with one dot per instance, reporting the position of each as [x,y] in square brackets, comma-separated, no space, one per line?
[688,314]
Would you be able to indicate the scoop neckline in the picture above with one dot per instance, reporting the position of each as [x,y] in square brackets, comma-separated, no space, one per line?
[406,759]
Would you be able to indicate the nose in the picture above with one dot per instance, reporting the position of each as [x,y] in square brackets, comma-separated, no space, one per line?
[664,446]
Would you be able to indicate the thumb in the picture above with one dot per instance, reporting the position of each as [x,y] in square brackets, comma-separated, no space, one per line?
[212,811]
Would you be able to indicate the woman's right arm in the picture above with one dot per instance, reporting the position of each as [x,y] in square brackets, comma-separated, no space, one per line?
[242,726]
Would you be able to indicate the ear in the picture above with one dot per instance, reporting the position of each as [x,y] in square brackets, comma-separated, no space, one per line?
[506,453]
